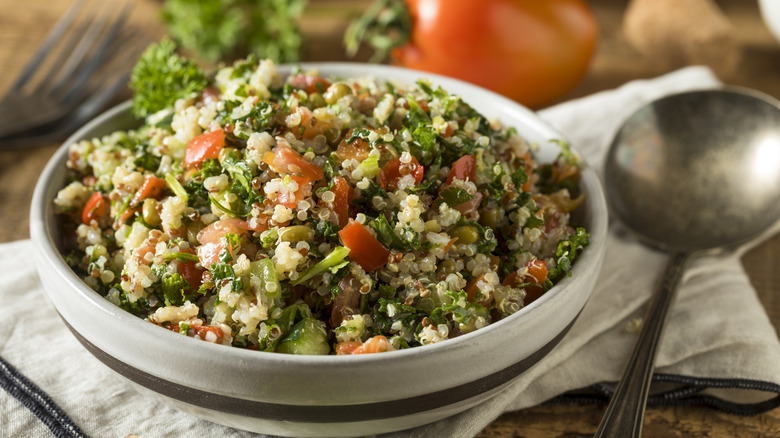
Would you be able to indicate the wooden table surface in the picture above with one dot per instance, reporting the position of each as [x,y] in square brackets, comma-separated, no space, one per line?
[23,24]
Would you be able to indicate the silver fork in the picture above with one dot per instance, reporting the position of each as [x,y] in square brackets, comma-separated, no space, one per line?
[41,97]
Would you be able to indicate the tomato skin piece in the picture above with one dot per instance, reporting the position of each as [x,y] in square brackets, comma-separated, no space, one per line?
[284,160]
[537,273]
[376,344]
[200,331]
[394,170]
[290,200]
[190,272]
[364,249]
[356,149]
[538,270]
[309,83]
[471,291]
[96,208]
[204,147]
[152,187]
[215,231]
[464,168]
[343,192]
[531,51]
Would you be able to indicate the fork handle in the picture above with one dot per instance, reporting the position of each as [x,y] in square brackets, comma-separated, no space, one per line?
[626,409]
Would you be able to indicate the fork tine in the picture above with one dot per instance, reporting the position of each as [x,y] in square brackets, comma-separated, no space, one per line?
[101,52]
[75,51]
[56,67]
[132,47]
[51,39]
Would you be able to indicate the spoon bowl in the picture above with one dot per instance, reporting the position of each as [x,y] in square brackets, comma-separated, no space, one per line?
[691,172]
[697,170]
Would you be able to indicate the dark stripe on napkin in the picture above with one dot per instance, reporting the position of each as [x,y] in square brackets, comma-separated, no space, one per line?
[38,402]
[687,392]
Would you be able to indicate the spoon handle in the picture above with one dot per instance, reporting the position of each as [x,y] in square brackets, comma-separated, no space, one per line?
[626,409]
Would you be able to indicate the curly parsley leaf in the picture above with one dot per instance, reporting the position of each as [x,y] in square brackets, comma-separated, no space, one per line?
[161,76]
[228,29]
[174,287]
[565,254]
[455,196]
[221,272]
[385,234]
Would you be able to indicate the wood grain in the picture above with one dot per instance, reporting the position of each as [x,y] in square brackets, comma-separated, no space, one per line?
[23,25]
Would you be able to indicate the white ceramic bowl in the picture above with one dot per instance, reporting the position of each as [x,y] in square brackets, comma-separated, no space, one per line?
[314,395]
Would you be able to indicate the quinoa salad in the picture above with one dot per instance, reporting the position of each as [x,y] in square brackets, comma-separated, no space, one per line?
[315,215]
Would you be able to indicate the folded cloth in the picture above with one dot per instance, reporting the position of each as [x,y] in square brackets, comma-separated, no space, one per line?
[719,347]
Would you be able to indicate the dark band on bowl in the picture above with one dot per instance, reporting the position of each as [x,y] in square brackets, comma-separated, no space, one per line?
[320,413]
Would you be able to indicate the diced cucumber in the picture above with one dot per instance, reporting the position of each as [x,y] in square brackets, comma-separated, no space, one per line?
[308,336]
[265,271]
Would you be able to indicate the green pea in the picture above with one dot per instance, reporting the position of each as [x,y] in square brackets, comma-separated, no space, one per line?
[490,218]
[466,234]
[149,212]
[336,92]
[296,233]
[316,100]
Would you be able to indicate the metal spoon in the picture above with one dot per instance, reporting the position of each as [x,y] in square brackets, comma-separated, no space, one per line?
[689,173]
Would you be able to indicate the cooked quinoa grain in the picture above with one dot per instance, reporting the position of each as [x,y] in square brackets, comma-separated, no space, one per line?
[311,215]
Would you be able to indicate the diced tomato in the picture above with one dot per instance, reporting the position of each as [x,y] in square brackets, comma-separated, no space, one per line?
[127,214]
[203,331]
[538,270]
[96,208]
[376,344]
[200,331]
[464,169]
[537,273]
[291,199]
[448,131]
[312,84]
[190,272]
[217,230]
[152,187]
[208,253]
[340,206]
[284,160]
[472,288]
[211,238]
[364,249]
[310,126]
[347,347]
[470,205]
[356,149]
[204,147]
[393,171]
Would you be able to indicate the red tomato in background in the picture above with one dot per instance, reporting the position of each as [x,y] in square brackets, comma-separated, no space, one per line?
[532,51]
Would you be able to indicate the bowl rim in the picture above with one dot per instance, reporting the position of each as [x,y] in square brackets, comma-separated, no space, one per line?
[41,231]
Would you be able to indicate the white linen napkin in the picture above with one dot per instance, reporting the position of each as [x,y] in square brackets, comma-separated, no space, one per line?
[719,347]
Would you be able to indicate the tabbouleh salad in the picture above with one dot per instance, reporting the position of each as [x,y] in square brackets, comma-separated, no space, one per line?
[314,215]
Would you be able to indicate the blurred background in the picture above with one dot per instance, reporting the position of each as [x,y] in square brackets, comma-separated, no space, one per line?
[634,39]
